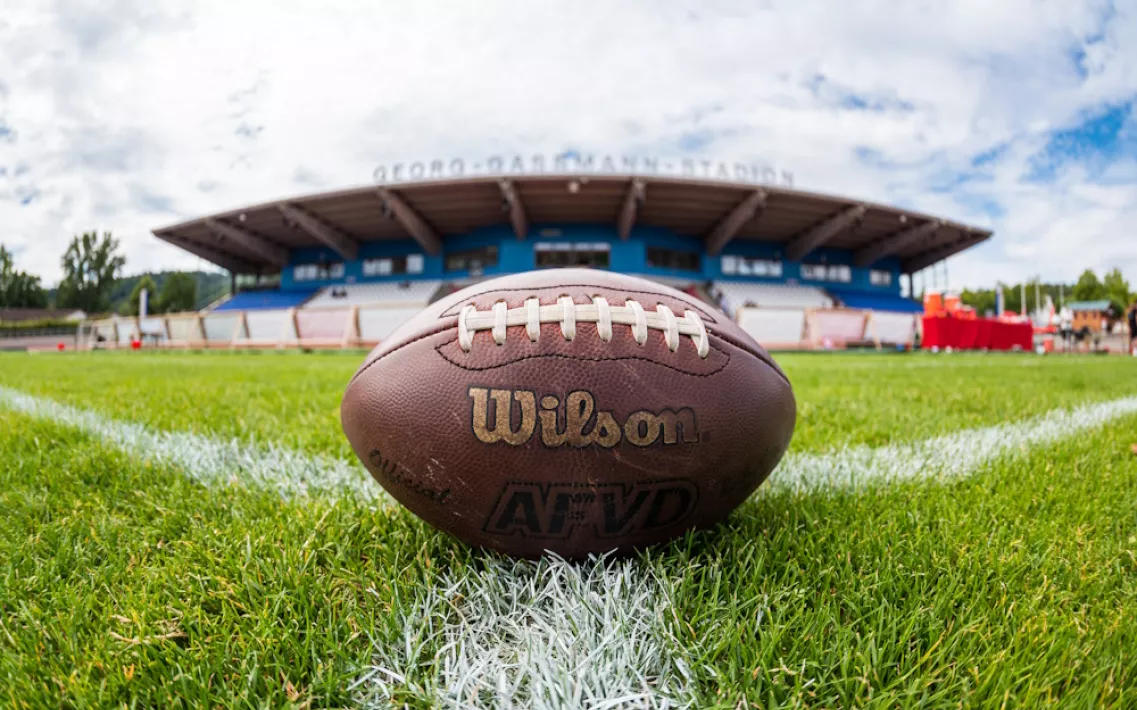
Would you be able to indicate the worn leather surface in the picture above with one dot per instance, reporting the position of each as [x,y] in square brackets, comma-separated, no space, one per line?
[582,485]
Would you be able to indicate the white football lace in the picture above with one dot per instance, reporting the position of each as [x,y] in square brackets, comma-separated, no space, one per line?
[568,314]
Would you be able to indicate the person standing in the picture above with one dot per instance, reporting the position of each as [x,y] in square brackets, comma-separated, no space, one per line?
[1133,328]
[1066,328]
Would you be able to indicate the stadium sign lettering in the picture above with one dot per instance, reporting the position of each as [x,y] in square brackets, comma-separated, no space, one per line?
[587,164]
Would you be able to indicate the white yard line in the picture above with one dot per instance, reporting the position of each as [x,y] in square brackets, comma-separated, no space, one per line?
[546,634]
[953,455]
[210,460]
[551,634]
[557,635]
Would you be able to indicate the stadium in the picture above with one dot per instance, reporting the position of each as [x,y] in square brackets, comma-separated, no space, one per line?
[289,423]
[342,269]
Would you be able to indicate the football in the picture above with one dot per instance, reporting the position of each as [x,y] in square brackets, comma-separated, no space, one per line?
[569,410]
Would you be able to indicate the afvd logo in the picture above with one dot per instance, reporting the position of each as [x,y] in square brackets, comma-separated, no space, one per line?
[613,510]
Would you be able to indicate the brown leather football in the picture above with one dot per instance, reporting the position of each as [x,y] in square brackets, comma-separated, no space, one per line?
[569,410]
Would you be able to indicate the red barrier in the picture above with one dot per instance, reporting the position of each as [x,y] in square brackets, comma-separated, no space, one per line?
[975,334]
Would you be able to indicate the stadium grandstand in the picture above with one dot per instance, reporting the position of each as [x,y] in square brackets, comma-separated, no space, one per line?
[796,269]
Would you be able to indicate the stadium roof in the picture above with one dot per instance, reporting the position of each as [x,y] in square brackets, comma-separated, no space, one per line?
[258,238]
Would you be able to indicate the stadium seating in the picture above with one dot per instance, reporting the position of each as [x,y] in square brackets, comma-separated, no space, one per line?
[403,293]
[787,316]
[892,327]
[361,315]
[733,295]
[219,327]
[265,300]
[774,327]
[775,314]
[876,302]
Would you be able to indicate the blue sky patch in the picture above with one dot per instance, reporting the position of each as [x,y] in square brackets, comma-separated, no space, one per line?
[694,141]
[246,130]
[845,97]
[1078,58]
[149,201]
[1099,139]
[989,156]
[984,204]
[875,158]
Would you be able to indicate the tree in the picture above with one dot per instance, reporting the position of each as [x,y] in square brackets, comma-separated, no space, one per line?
[1117,291]
[90,267]
[18,289]
[132,305]
[982,300]
[1089,288]
[179,293]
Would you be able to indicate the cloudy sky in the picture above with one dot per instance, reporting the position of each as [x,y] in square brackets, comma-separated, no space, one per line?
[126,115]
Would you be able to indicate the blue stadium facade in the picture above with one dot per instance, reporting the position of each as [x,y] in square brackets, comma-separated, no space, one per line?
[680,231]
[651,251]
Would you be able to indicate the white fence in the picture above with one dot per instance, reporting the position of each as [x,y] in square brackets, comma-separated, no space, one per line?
[365,326]
[823,328]
[341,327]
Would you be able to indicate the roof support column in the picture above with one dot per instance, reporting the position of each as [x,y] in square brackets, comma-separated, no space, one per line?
[895,242]
[511,202]
[275,255]
[634,199]
[325,233]
[412,221]
[821,233]
[743,212]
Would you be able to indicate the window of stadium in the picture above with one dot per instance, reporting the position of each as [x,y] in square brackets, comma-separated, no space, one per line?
[751,267]
[660,258]
[411,264]
[554,254]
[318,272]
[473,260]
[838,273]
[880,278]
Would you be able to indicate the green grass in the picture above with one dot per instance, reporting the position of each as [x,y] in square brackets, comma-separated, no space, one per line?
[124,584]
[294,399]
[1017,585]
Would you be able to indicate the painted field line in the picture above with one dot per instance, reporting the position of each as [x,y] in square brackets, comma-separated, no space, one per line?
[953,455]
[551,634]
[544,634]
[209,460]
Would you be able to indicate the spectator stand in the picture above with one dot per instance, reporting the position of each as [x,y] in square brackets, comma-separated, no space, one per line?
[348,316]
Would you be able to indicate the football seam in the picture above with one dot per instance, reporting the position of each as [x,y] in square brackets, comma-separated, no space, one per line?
[761,355]
[563,356]
[757,354]
[412,341]
[700,307]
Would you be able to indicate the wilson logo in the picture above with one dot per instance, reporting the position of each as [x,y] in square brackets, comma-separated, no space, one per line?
[390,473]
[614,510]
[513,417]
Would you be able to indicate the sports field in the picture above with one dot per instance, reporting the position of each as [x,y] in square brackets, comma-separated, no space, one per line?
[186,529]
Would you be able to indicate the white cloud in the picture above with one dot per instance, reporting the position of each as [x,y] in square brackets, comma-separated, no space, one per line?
[133,114]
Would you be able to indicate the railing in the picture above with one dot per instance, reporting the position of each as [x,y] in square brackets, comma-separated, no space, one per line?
[337,327]
[788,328]
[366,325]
[50,330]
